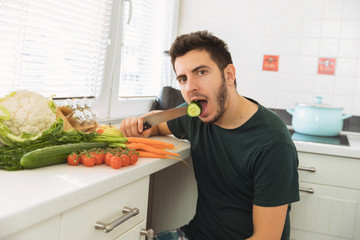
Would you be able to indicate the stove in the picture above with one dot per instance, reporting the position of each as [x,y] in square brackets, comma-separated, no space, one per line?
[340,139]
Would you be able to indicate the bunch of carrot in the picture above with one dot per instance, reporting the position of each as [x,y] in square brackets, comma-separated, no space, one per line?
[151,148]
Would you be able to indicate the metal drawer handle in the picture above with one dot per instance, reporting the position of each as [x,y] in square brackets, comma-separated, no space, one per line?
[148,233]
[107,227]
[307,190]
[308,169]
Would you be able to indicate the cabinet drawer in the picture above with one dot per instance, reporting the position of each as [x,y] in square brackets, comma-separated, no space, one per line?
[330,170]
[327,213]
[79,222]
[134,233]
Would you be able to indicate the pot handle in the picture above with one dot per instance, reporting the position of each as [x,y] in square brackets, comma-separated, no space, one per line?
[345,116]
[290,110]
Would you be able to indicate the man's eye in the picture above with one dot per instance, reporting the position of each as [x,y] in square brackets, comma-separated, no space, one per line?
[202,72]
[181,80]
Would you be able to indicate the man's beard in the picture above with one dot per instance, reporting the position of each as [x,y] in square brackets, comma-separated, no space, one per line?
[221,100]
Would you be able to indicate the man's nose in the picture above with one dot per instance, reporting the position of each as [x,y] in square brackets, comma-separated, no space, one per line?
[192,85]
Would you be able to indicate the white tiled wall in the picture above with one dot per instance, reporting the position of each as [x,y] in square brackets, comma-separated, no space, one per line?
[299,31]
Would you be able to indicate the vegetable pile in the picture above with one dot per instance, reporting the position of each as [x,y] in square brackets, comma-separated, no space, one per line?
[34,139]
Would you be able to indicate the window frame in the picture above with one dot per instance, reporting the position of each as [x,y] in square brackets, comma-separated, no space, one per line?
[108,103]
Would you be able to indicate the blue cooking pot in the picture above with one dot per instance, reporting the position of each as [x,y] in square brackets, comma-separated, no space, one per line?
[317,119]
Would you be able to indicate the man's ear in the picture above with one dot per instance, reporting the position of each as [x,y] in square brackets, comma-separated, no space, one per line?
[230,74]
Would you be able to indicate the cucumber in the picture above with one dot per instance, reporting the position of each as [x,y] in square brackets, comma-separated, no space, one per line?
[194,109]
[55,154]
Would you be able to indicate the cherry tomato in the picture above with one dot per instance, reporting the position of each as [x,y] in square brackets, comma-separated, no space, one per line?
[125,160]
[108,157]
[88,160]
[99,158]
[133,159]
[116,162]
[73,159]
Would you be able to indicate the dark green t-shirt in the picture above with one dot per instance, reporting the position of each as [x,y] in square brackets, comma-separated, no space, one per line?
[255,163]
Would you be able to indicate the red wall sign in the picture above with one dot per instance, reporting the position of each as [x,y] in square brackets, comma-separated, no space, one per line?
[327,66]
[270,63]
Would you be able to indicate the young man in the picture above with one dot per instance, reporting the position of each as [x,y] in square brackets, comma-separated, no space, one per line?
[245,162]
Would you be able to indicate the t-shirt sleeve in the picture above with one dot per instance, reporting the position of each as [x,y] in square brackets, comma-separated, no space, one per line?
[276,180]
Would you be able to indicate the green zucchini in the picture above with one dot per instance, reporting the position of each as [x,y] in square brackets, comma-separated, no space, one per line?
[55,154]
[194,109]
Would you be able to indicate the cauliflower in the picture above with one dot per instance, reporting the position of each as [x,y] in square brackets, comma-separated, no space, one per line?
[28,112]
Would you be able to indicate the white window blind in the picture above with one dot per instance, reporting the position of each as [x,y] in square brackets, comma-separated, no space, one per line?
[144,66]
[53,47]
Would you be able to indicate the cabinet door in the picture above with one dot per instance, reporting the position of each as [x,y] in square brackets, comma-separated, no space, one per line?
[79,222]
[327,214]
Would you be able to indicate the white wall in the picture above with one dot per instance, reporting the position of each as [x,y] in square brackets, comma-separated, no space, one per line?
[299,31]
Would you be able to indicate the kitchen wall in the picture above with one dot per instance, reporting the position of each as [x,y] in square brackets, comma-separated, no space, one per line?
[299,32]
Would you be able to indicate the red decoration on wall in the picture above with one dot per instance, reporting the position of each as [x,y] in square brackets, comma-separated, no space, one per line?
[327,66]
[271,63]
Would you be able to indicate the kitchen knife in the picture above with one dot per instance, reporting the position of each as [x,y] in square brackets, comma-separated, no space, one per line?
[164,116]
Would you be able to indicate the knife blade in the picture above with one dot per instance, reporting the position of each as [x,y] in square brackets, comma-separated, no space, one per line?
[164,116]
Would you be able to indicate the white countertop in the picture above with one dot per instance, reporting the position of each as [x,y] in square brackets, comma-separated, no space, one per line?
[351,151]
[31,196]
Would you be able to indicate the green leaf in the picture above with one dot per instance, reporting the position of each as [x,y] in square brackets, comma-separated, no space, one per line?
[4,114]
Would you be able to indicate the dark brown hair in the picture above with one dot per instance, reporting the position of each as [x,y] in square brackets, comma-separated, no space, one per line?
[202,40]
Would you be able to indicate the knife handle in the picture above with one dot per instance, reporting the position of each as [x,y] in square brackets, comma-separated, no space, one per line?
[146,126]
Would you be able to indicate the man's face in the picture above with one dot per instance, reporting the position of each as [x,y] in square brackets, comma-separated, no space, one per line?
[201,80]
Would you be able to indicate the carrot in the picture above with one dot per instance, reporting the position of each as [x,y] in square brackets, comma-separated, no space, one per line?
[145,154]
[151,155]
[151,149]
[151,142]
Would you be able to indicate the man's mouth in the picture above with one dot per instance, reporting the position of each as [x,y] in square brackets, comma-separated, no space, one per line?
[203,104]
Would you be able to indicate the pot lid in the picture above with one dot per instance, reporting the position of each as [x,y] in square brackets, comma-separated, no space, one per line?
[319,104]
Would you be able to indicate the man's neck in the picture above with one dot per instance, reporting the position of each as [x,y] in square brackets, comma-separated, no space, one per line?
[238,111]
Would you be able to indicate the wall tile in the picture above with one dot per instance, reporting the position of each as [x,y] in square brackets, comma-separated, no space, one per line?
[311,28]
[324,85]
[349,48]
[305,83]
[313,9]
[343,101]
[329,48]
[308,65]
[351,10]
[333,9]
[344,85]
[346,67]
[309,46]
[350,29]
[330,28]
[356,106]
[289,46]
[288,64]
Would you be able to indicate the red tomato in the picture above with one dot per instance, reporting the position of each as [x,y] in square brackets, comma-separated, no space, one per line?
[116,162]
[88,160]
[73,159]
[108,157]
[99,158]
[125,160]
[133,159]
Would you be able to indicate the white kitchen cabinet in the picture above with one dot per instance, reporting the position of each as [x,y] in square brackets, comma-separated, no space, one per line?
[48,229]
[329,201]
[79,222]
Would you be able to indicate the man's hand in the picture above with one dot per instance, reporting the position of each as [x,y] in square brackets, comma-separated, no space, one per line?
[133,127]
[268,222]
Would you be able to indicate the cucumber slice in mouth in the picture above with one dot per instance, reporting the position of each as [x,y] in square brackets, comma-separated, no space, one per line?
[194,109]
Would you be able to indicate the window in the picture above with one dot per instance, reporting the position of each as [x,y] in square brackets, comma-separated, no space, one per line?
[54,47]
[144,65]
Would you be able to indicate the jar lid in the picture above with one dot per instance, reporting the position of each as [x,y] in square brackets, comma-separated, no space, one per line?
[319,104]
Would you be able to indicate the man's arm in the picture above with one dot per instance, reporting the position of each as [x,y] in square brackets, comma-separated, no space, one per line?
[268,222]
